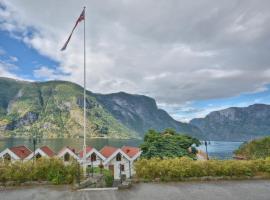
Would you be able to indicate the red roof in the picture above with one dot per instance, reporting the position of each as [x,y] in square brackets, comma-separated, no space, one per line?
[21,151]
[130,151]
[47,150]
[88,149]
[107,151]
[67,147]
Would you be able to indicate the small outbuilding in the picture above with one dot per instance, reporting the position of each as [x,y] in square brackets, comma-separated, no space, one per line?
[15,153]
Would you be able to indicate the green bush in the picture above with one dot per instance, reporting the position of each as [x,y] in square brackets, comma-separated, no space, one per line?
[173,169]
[258,148]
[52,170]
[109,180]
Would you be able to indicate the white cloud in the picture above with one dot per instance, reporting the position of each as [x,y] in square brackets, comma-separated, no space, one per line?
[6,70]
[45,73]
[175,51]
[13,58]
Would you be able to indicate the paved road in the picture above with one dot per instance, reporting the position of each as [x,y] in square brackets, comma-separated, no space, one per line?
[221,190]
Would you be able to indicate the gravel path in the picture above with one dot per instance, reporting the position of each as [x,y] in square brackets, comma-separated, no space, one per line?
[220,190]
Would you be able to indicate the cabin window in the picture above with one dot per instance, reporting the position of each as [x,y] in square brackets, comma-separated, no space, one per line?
[38,156]
[93,157]
[118,157]
[122,168]
[7,157]
[66,157]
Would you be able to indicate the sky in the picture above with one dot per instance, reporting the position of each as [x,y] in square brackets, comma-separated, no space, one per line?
[193,57]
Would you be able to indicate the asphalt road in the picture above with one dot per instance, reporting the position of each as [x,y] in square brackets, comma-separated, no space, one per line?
[220,190]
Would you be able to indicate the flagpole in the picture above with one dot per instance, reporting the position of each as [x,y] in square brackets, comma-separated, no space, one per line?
[84,95]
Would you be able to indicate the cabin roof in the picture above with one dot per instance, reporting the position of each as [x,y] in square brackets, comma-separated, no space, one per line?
[47,150]
[107,151]
[88,149]
[21,151]
[67,147]
[130,151]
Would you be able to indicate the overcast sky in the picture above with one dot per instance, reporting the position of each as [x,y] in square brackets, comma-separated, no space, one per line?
[191,56]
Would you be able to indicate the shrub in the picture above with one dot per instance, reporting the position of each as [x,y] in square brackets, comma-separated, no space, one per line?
[52,170]
[173,169]
[109,180]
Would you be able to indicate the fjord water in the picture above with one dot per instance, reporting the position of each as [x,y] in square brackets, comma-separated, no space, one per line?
[216,149]
[221,149]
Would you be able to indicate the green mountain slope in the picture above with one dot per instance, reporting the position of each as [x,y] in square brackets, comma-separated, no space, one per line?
[140,113]
[54,109]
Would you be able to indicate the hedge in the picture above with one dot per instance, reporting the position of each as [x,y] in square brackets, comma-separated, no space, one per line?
[51,170]
[175,169]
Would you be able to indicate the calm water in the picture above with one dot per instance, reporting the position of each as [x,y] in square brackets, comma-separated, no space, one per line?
[216,149]
[220,149]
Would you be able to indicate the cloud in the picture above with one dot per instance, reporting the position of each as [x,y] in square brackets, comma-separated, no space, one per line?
[6,69]
[2,51]
[175,51]
[46,73]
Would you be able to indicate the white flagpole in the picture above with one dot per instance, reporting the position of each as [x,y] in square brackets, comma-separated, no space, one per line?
[84,94]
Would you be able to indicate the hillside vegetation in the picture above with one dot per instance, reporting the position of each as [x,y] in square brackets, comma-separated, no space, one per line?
[54,109]
[259,148]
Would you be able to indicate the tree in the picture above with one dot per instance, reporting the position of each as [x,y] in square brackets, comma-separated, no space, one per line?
[167,144]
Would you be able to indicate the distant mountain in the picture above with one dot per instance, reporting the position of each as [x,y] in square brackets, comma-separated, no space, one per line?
[54,109]
[235,123]
[140,113]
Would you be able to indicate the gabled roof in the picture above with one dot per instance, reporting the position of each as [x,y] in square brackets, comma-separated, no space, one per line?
[88,155]
[21,151]
[65,148]
[130,151]
[88,149]
[114,154]
[47,151]
[69,150]
[44,151]
[9,152]
[107,151]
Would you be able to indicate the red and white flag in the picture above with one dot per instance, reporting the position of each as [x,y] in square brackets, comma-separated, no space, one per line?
[81,17]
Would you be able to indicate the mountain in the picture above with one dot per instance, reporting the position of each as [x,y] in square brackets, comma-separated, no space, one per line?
[54,109]
[140,113]
[235,123]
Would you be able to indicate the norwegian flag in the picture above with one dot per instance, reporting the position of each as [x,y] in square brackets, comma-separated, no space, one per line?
[81,17]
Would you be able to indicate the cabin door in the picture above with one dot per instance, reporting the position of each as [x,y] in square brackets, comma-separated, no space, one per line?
[111,168]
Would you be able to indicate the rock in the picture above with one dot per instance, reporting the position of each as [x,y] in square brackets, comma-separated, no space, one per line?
[27,119]
[89,104]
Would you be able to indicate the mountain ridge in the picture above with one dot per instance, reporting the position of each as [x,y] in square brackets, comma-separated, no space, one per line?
[235,123]
[54,109]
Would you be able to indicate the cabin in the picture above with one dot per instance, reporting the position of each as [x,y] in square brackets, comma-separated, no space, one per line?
[15,153]
[93,157]
[117,162]
[133,153]
[44,152]
[68,155]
